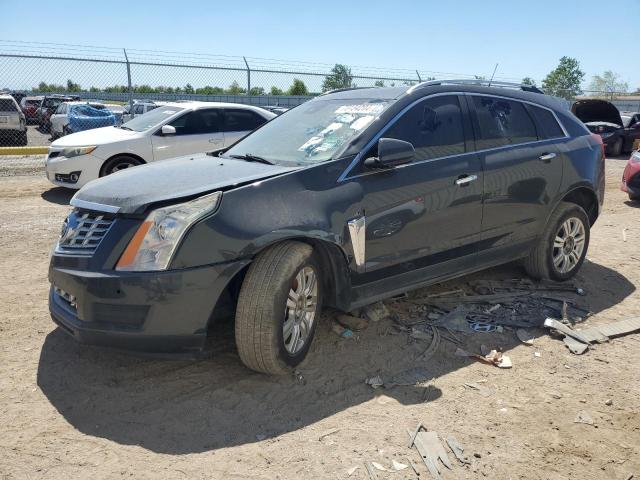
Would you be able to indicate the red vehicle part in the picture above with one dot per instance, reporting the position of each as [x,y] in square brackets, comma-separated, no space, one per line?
[631,177]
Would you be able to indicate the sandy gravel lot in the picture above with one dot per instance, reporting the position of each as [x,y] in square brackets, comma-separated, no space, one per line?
[75,412]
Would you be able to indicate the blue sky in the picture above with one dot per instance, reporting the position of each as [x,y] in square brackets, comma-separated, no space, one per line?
[469,37]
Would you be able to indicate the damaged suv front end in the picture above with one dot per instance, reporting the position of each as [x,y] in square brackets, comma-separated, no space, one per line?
[112,273]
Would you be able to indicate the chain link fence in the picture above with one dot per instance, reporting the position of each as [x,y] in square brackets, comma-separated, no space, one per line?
[103,84]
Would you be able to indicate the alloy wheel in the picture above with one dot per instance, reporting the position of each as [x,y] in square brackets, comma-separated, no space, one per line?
[300,311]
[568,245]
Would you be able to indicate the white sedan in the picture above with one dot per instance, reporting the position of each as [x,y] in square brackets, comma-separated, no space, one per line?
[172,130]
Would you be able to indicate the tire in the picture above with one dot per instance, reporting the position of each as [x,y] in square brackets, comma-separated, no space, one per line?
[540,263]
[65,130]
[117,163]
[616,149]
[265,306]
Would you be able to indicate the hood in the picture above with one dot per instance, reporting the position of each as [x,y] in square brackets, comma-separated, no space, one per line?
[596,111]
[96,136]
[131,190]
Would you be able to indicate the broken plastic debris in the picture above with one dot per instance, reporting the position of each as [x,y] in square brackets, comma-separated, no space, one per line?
[379,467]
[375,382]
[376,312]
[341,331]
[352,322]
[584,417]
[397,466]
[525,336]
[352,470]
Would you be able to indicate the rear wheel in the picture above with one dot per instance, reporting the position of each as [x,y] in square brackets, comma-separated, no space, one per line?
[563,245]
[121,162]
[278,308]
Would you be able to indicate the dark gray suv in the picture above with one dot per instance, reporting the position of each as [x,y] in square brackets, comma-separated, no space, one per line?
[349,198]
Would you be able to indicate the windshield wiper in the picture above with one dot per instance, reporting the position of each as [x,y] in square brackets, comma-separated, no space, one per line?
[252,158]
[125,128]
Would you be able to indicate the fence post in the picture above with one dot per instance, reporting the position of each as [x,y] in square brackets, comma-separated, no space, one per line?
[129,84]
[248,77]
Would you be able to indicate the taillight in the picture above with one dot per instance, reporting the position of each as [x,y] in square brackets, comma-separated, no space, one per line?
[598,139]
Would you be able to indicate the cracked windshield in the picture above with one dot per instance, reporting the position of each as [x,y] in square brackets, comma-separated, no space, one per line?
[312,132]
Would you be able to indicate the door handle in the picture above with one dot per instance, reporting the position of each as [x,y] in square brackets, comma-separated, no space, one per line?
[547,157]
[466,180]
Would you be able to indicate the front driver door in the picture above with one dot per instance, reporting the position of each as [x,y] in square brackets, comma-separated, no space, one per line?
[421,216]
[196,132]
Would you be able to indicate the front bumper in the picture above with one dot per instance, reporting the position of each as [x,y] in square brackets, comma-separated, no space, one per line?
[60,169]
[153,312]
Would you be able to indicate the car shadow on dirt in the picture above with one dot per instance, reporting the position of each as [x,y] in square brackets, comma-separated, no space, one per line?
[177,406]
[58,195]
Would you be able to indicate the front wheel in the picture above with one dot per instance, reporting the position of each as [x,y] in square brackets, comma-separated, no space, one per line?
[121,162]
[563,245]
[278,308]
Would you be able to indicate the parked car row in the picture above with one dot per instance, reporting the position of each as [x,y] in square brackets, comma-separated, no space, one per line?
[352,197]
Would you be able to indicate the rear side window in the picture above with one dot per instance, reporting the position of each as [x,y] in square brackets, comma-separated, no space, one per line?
[434,128]
[547,123]
[241,120]
[7,105]
[502,122]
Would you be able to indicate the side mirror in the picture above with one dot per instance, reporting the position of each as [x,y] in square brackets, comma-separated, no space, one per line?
[168,130]
[391,153]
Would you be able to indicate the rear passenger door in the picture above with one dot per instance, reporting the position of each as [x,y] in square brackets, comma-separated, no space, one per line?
[239,123]
[517,144]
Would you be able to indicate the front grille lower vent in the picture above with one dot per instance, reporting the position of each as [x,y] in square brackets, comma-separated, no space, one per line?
[82,232]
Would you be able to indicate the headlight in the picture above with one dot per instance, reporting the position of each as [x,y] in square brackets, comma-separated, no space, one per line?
[75,151]
[152,247]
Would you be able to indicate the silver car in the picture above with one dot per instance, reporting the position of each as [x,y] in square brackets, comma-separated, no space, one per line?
[13,125]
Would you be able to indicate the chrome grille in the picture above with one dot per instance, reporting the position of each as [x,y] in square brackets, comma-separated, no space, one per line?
[82,232]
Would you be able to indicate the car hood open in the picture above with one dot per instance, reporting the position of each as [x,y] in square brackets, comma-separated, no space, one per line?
[596,111]
[132,190]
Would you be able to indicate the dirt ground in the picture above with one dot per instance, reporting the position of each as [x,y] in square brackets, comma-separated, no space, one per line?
[75,412]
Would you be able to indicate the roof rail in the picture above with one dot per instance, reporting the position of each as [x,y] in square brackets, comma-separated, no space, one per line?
[341,90]
[488,83]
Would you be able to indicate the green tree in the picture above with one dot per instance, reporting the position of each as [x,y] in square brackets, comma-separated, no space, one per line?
[298,88]
[257,91]
[94,89]
[73,87]
[378,83]
[564,81]
[528,81]
[235,89]
[276,91]
[189,89]
[340,77]
[208,90]
[608,83]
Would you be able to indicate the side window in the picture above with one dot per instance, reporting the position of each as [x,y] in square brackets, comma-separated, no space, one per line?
[547,123]
[434,127]
[502,122]
[198,122]
[241,120]
[138,109]
[151,107]
[210,120]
